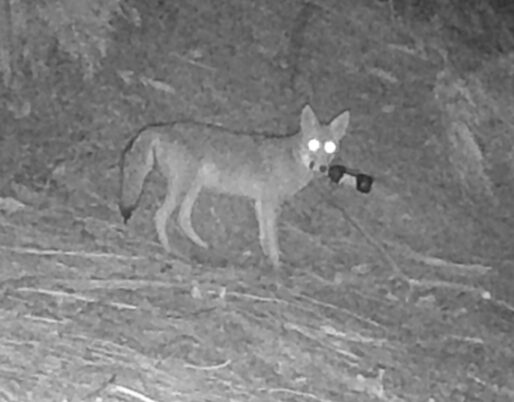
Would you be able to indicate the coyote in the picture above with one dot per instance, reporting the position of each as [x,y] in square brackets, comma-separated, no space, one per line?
[193,155]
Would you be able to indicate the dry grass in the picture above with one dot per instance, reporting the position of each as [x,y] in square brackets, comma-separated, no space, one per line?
[402,295]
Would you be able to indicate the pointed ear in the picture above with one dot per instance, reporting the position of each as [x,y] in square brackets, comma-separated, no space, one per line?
[339,125]
[308,122]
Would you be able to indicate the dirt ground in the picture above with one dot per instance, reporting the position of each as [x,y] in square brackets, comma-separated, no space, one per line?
[411,300]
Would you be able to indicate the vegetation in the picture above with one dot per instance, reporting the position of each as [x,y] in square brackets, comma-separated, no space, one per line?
[404,294]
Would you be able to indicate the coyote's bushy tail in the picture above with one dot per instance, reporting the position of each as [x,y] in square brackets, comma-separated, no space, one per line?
[137,161]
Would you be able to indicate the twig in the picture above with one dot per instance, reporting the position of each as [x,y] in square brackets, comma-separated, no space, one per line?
[436,262]
[313,335]
[297,393]
[94,395]
[466,339]
[110,284]
[72,253]
[504,305]
[423,283]
[339,309]
[192,62]
[257,298]
[120,389]
[208,368]
[75,296]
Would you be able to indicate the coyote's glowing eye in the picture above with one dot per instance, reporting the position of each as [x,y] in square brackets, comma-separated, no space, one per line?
[329,147]
[313,145]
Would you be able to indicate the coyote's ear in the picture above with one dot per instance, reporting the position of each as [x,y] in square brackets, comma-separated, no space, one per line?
[308,122]
[339,125]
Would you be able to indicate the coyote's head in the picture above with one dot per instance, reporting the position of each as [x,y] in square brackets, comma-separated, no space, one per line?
[319,142]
